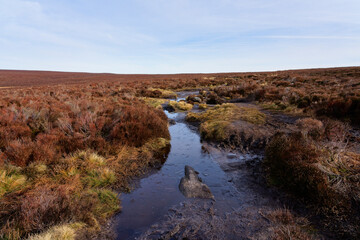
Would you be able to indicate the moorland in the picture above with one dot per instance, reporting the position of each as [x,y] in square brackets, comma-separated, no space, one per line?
[70,143]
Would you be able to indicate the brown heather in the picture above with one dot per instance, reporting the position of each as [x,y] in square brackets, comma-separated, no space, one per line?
[67,140]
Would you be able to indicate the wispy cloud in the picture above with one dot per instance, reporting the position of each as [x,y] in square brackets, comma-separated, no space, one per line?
[312,37]
[178,35]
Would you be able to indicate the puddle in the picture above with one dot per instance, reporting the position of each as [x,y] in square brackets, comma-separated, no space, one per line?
[158,192]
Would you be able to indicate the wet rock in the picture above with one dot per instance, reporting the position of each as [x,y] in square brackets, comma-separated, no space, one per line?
[172,121]
[231,155]
[168,108]
[192,187]
[194,99]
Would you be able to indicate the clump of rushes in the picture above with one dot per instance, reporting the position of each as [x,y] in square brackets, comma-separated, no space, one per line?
[216,123]
[182,106]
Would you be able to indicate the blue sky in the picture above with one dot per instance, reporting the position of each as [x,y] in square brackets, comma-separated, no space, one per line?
[175,36]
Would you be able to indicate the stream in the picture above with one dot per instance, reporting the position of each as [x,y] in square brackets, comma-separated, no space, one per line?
[227,175]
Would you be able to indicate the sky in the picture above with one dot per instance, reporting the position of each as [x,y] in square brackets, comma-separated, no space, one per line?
[178,36]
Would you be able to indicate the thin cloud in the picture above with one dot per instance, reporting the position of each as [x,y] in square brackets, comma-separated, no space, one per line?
[163,36]
[312,37]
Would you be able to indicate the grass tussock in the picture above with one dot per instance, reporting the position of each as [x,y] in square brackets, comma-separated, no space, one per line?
[11,181]
[156,93]
[60,232]
[216,122]
[155,102]
[229,112]
[181,106]
[203,106]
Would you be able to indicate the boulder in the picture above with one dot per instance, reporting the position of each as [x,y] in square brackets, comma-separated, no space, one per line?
[192,186]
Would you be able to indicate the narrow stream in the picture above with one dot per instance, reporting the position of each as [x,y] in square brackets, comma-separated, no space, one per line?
[158,192]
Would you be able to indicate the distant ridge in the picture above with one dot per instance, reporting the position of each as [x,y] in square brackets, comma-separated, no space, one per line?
[26,78]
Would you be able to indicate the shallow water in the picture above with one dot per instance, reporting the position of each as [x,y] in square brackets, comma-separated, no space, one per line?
[158,192]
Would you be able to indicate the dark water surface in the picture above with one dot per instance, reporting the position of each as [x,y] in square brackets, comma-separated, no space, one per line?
[158,192]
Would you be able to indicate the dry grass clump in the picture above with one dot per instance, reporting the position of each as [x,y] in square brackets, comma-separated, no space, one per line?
[286,226]
[11,181]
[311,127]
[155,102]
[320,174]
[157,93]
[203,106]
[181,106]
[59,232]
[131,161]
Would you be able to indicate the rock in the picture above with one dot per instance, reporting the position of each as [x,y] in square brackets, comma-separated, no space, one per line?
[169,108]
[192,187]
[231,155]
[172,121]
[194,99]
[197,99]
